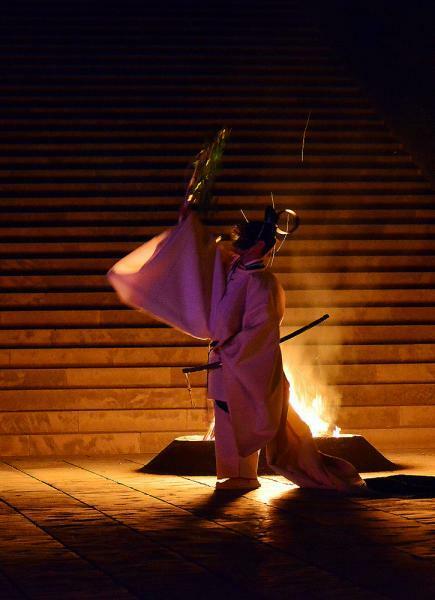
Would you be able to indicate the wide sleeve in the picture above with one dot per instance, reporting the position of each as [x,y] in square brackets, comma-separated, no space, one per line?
[253,377]
[173,277]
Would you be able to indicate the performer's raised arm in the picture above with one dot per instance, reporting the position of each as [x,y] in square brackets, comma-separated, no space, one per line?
[174,275]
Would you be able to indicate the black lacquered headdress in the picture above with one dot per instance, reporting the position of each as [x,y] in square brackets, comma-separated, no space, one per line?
[275,225]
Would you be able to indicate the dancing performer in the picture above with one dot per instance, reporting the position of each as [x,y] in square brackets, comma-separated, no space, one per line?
[230,297]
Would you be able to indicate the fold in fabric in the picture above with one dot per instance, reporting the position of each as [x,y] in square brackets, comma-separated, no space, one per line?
[173,277]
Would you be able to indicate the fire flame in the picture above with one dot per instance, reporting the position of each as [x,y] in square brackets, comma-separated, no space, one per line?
[311,405]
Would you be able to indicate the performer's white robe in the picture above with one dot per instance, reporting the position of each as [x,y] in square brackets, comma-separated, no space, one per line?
[183,278]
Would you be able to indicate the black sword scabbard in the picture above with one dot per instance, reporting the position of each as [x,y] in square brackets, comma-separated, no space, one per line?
[217,365]
[303,329]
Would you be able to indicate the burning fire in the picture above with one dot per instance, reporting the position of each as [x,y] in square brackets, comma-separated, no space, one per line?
[311,405]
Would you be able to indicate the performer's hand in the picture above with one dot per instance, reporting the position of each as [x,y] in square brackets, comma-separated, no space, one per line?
[184,211]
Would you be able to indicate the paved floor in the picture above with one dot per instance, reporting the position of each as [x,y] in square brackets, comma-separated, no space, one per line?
[99,528]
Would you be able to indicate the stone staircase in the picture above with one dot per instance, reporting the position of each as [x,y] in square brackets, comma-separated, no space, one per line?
[101,111]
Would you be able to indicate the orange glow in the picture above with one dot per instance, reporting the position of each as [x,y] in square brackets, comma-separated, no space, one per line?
[312,405]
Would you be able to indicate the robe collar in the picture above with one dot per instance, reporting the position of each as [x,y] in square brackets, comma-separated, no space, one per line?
[253,265]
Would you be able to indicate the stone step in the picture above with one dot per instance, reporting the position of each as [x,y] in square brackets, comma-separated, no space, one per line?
[242,124]
[39,95]
[368,334]
[56,48]
[132,377]
[231,161]
[109,75]
[247,174]
[198,66]
[291,69]
[86,250]
[386,394]
[145,203]
[91,49]
[42,77]
[88,444]
[369,280]
[224,215]
[386,439]
[374,373]
[140,233]
[96,378]
[298,353]
[188,148]
[59,301]
[391,417]
[41,106]
[77,217]
[153,442]
[48,55]
[368,395]
[59,288]
[128,24]
[364,315]
[182,419]
[95,45]
[101,399]
[294,264]
[316,97]
[363,298]
[211,57]
[335,142]
[129,105]
[155,131]
[293,317]
[338,298]
[53,422]
[293,353]
[223,44]
[75,318]
[103,357]
[98,41]
[99,30]
[142,336]
[94,41]
[254,187]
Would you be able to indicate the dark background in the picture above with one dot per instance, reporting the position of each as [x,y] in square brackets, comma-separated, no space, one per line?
[389,48]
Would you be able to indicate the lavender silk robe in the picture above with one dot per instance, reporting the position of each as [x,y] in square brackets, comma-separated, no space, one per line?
[184,279]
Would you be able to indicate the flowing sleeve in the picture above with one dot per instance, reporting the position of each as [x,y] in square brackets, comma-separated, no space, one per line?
[173,277]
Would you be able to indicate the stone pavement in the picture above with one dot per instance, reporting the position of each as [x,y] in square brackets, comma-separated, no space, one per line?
[87,527]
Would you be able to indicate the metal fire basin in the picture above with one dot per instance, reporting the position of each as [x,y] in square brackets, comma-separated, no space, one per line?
[192,455]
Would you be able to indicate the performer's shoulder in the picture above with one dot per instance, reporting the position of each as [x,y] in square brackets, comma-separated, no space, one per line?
[265,288]
[265,280]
